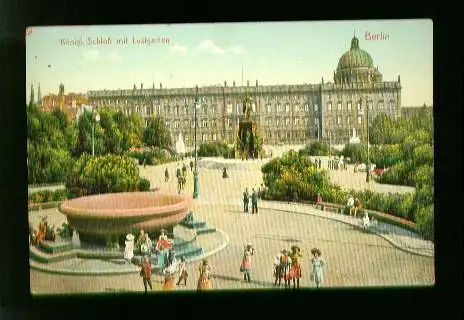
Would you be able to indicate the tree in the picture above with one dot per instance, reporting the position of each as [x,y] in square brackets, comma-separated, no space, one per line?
[156,134]
[84,136]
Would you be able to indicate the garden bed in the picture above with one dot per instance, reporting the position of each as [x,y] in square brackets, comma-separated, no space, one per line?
[380,216]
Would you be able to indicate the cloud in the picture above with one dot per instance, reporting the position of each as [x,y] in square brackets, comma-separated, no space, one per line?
[237,49]
[114,56]
[91,55]
[209,47]
[176,48]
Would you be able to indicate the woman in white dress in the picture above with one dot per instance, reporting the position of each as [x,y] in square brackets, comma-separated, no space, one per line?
[317,274]
[129,249]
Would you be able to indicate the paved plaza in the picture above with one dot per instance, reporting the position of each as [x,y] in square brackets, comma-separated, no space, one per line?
[396,257]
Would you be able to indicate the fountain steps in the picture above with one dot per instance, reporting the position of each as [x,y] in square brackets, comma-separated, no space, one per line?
[45,257]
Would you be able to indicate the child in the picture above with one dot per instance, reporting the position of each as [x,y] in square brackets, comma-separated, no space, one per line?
[277,273]
[183,271]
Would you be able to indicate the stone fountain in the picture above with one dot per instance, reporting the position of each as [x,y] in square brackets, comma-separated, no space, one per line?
[112,216]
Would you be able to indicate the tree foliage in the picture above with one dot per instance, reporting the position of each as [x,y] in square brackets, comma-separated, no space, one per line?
[50,136]
[103,174]
[157,135]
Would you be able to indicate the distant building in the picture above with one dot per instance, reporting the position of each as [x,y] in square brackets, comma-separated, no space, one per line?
[285,114]
[69,103]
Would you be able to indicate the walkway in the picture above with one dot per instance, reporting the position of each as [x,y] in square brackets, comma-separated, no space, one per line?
[354,257]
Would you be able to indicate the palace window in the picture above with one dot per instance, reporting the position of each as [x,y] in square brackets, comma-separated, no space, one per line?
[339,120]
[316,107]
[204,124]
[229,108]
[287,108]
[269,108]
[287,135]
[238,108]
[329,106]
[296,121]
[370,104]
[348,106]
[392,104]
[339,106]
[168,124]
[253,107]
[279,108]
[268,122]
[229,123]
[214,137]
[306,107]
[205,137]
[329,121]
[176,124]
[306,121]
[277,122]
[359,106]
[297,108]
[176,110]
[287,121]
[316,121]
[213,123]
[348,120]
[380,105]
[268,134]
[359,119]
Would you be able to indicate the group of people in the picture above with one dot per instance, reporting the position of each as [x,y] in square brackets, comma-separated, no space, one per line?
[43,232]
[286,266]
[354,205]
[254,200]
[204,279]
[337,164]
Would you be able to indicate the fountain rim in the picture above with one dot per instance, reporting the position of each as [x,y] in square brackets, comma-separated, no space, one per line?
[121,213]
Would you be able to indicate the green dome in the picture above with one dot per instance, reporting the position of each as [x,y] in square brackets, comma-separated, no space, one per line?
[355,57]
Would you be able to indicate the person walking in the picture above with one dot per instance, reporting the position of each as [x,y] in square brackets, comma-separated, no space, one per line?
[246,200]
[129,248]
[276,270]
[145,273]
[318,263]
[254,202]
[245,267]
[191,165]
[183,271]
[285,264]
[295,269]
[166,175]
[204,281]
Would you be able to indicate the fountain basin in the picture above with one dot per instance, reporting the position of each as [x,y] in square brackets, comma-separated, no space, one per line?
[117,214]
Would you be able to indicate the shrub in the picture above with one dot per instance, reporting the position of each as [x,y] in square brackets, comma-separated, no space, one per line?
[104,174]
[425,221]
[60,195]
[215,149]
[144,184]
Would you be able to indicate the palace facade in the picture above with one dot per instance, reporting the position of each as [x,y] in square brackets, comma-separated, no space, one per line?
[285,114]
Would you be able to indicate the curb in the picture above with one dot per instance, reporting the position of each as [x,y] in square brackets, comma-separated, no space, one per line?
[392,242]
[59,271]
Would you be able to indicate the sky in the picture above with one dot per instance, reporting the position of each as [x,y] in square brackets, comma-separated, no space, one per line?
[185,55]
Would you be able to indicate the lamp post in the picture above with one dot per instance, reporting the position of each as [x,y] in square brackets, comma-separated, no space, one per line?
[97,119]
[368,169]
[196,189]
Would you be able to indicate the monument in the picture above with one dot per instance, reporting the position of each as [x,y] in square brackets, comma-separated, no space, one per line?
[248,143]
[354,139]
[180,145]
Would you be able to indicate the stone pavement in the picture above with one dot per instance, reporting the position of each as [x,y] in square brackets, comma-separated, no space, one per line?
[354,257]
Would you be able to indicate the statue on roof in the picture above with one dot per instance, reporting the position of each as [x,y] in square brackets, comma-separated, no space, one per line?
[247,107]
